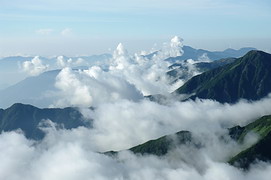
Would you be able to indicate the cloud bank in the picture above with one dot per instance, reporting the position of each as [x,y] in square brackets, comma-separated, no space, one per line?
[126,77]
[74,154]
[91,87]
[122,118]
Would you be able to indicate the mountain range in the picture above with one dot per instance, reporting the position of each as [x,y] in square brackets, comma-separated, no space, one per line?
[196,54]
[185,70]
[36,90]
[243,159]
[258,151]
[32,90]
[248,77]
[227,80]
[31,119]
[12,66]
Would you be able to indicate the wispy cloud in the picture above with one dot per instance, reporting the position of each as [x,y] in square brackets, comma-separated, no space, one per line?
[47,31]
[66,32]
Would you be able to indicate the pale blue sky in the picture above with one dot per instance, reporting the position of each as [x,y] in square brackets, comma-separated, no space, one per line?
[74,27]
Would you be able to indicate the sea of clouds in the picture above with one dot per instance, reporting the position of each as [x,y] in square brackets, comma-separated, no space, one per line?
[123,118]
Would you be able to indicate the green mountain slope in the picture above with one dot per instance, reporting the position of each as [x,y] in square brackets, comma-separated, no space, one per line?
[260,150]
[27,118]
[186,71]
[261,126]
[162,145]
[249,77]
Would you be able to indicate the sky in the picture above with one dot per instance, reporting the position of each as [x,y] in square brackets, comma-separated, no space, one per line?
[81,27]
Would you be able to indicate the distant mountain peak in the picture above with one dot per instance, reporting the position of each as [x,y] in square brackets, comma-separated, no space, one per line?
[20,105]
[195,54]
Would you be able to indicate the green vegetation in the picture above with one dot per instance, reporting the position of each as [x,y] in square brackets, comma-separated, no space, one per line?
[249,77]
[259,151]
[162,145]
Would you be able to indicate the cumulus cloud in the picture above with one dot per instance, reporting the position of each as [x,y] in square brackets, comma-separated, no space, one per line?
[34,67]
[122,119]
[71,154]
[127,77]
[128,127]
[91,87]
[62,62]
[147,74]
[171,49]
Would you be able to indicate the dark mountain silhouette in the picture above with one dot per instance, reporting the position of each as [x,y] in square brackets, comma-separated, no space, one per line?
[248,77]
[162,145]
[28,119]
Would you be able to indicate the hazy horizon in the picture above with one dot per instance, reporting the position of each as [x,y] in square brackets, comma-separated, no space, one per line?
[95,27]
[188,114]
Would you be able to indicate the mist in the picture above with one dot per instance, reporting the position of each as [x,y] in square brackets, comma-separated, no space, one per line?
[122,118]
[75,154]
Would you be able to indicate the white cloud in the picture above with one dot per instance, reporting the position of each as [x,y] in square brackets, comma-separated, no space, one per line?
[148,75]
[34,67]
[122,119]
[62,62]
[171,49]
[137,122]
[126,78]
[71,154]
[66,32]
[44,31]
[91,87]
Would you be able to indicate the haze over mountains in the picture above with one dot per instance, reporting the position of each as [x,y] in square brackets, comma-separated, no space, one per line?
[191,53]
[16,69]
[214,121]
[40,89]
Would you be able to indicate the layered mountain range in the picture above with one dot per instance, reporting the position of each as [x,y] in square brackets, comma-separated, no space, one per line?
[31,119]
[225,81]
[248,77]
[258,151]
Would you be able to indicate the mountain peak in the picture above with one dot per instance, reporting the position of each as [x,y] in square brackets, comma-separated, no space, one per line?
[257,57]
[249,77]
[255,52]
[20,105]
